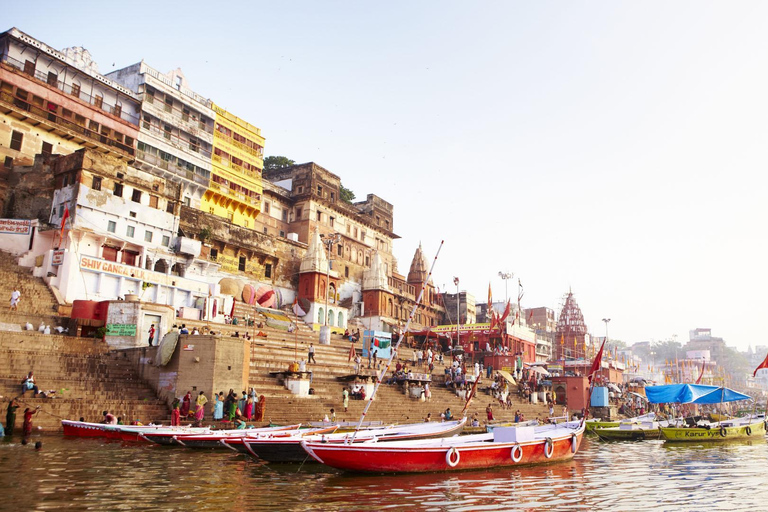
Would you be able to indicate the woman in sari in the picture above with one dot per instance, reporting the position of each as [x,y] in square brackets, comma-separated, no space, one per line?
[185,404]
[28,414]
[248,409]
[10,417]
[200,402]
[218,407]
[175,414]
[260,407]
[232,405]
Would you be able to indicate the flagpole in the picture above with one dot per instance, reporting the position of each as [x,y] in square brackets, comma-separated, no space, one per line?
[383,372]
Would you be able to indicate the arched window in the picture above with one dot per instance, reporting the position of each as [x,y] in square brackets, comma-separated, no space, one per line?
[161,266]
[321,316]
[332,292]
[389,307]
[330,317]
[341,319]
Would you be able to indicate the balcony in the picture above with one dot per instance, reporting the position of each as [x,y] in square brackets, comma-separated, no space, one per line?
[171,167]
[96,101]
[64,127]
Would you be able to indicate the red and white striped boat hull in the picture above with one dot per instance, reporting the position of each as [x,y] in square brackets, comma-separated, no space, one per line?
[551,443]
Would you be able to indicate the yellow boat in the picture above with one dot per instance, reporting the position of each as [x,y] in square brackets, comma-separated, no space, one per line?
[738,428]
[596,423]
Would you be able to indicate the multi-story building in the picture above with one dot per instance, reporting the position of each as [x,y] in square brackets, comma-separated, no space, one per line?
[316,205]
[543,321]
[237,161]
[467,309]
[56,102]
[175,140]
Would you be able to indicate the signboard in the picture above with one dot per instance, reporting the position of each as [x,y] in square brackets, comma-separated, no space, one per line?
[189,348]
[121,330]
[15,227]
[58,257]
[379,342]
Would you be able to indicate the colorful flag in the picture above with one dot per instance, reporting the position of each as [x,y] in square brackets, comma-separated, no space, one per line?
[63,223]
[351,351]
[596,363]
[703,365]
[764,364]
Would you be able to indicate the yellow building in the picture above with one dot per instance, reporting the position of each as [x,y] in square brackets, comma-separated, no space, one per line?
[237,161]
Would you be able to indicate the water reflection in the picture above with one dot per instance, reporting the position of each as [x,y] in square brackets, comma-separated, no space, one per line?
[88,474]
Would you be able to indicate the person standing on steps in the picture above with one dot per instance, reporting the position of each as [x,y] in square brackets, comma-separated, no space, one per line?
[151,334]
[345,399]
[10,417]
[311,354]
[15,297]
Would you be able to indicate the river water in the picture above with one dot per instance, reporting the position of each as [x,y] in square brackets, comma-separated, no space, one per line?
[87,474]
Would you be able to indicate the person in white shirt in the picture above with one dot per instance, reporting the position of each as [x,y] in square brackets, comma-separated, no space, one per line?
[15,297]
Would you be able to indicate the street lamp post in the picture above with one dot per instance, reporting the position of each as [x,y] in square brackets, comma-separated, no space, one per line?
[606,320]
[328,240]
[506,276]
[458,313]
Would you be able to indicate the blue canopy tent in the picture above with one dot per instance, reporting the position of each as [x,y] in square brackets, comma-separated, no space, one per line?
[692,394]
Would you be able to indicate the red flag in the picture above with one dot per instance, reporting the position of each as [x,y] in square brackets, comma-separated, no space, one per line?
[352,353]
[596,363]
[505,314]
[63,223]
[703,364]
[764,364]
[232,313]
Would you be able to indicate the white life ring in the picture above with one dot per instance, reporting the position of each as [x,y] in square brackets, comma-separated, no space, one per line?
[516,449]
[449,457]
[549,447]
[574,442]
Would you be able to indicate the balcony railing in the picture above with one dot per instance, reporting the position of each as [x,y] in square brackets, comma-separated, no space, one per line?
[172,167]
[55,117]
[96,101]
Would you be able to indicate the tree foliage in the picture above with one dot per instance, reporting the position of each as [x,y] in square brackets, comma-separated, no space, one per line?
[272,163]
[346,194]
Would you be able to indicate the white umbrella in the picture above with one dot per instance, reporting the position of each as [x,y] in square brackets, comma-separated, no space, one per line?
[539,369]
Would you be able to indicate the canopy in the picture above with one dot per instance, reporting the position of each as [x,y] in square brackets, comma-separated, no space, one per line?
[539,369]
[639,395]
[614,387]
[692,394]
[507,376]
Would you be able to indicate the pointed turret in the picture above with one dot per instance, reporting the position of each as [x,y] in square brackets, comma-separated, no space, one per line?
[375,278]
[419,269]
[314,260]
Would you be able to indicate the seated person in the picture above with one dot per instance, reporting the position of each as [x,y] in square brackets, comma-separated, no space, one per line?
[448,415]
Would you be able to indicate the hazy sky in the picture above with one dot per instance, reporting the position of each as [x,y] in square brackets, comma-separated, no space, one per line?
[614,148]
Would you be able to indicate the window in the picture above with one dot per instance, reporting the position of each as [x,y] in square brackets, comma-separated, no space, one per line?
[166,131]
[93,126]
[320,191]
[146,123]
[168,104]
[285,215]
[300,190]
[187,201]
[47,148]
[118,190]
[214,254]
[132,215]
[266,207]
[129,231]
[367,261]
[96,183]
[265,231]
[246,224]
[166,240]
[282,233]
[153,201]
[16,139]
[319,216]
[9,162]
[346,271]
[194,145]
[29,67]
[333,197]
[339,249]
[298,213]
[150,96]
[211,209]
[169,207]
[136,196]
[117,110]
[111,226]
[76,90]
[148,236]
[331,219]
[185,114]
[268,270]
[98,100]
[53,79]
[231,216]
[241,264]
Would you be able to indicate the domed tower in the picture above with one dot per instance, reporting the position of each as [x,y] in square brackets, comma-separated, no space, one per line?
[571,335]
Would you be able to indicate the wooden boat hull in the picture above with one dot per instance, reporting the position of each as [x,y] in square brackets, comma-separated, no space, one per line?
[617,434]
[591,426]
[448,454]
[290,449]
[107,431]
[718,433]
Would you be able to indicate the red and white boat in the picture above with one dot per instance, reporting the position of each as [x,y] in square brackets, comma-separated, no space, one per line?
[215,438]
[505,446]
[205,437]
[109,431]
[238,444]
[289,449]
